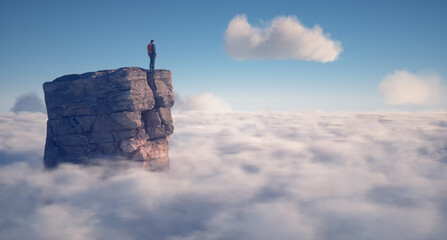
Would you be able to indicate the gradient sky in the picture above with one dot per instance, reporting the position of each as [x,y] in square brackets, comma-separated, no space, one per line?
[42,40]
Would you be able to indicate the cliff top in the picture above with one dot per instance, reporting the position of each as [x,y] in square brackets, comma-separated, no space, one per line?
[103,73]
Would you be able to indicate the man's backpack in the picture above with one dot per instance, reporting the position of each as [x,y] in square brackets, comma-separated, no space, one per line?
[149,49]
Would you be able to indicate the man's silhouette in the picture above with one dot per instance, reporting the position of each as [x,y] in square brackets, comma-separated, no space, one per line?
[152,54]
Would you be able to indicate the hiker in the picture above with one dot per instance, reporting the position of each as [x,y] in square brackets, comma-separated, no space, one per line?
[152,54]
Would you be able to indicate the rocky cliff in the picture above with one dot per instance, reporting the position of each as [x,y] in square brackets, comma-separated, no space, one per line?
[114,114]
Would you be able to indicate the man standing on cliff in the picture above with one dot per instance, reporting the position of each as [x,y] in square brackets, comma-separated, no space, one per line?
[152,54]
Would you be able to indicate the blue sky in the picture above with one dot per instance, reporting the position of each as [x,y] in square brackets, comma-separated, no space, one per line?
[42,40]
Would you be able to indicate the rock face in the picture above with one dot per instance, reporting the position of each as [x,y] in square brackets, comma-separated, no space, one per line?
[121,113]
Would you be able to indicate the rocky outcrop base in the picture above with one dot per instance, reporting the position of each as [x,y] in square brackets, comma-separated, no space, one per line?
[114,114]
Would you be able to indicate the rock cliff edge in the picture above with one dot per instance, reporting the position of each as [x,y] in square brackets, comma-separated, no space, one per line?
[120,114]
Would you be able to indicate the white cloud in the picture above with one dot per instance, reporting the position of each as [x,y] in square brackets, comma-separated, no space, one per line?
[29,102]
[283,38]
[242,176]
[204,102]
[21,137]
[403,87]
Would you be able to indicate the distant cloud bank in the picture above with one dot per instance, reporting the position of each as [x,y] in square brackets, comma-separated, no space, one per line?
[282,38]
[204,102]
[29,102]
[402,87]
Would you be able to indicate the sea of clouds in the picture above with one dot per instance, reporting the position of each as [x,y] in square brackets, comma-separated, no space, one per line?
[239,175]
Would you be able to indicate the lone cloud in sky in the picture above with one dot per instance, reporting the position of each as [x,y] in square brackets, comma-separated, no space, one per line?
[283,38]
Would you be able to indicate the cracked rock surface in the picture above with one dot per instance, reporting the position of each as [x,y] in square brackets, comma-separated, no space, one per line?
[121,113]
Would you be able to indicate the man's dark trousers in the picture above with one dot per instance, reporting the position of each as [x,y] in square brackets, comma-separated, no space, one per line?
[152,64]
